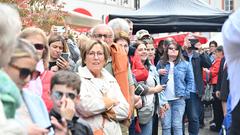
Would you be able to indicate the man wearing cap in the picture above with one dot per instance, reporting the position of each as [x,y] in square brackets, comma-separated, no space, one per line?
[143,35]
[231,40]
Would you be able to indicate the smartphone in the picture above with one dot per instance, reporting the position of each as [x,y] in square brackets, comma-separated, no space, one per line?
[49,127]
[60,29]
[193,42]
[139,90]
[65,56]
[165,85]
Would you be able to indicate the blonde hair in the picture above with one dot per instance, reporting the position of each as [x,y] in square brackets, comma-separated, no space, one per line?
[90,44]
[24,49]
[32,31]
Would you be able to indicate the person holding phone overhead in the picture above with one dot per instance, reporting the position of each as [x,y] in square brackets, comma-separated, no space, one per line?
[177,74]
[59,54]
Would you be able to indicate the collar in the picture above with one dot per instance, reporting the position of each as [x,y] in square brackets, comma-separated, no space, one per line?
[85,73]
[194,54]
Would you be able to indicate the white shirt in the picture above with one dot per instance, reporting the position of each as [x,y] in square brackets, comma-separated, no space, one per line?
[231,40]
[170,90]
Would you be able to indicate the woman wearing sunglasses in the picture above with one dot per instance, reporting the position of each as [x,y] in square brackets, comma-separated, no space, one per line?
[41,84]
[9,93]
[102,103]
[21,69]
[178,77]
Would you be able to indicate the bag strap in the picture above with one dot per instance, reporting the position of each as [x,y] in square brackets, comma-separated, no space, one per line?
[103,123]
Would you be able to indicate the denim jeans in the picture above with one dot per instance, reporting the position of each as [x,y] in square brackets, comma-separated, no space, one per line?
[173,117]
[146,128]
[193,109]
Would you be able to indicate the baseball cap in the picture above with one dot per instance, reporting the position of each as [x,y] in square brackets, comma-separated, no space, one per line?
[141,33]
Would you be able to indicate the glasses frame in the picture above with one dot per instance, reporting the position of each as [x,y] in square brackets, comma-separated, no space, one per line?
[38,46]
[59,95]
[34,74]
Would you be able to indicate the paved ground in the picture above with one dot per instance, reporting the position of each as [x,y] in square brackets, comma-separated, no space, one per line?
[204,131]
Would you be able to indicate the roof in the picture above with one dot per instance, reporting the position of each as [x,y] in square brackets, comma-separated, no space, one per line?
[176,15]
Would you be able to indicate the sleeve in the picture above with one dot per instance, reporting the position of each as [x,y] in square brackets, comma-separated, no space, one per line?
[205,60]
[214,69]
[9,126]
[220,75]
[189,79]
[130,78]
[122,109]
[162,99]
[89,104]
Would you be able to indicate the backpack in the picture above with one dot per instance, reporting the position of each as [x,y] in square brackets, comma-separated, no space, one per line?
[146,112]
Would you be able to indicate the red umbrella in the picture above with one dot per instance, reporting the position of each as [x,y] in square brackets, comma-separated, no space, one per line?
[179,38]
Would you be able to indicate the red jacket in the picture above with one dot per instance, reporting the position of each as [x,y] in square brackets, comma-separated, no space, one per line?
[214,69]
[138,69]
[46,77]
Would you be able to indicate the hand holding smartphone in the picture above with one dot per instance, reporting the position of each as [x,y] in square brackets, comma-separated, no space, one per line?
[139,90]
[65,56]
[165,85]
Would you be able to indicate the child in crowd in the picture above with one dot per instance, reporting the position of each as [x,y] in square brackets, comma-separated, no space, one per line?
[65,88]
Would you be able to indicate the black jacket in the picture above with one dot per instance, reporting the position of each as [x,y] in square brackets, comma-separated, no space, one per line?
[199,61]
[75,126]
[220,74]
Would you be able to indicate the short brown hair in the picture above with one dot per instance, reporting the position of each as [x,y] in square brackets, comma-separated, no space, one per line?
[69,78]
[122,35]
[89,45]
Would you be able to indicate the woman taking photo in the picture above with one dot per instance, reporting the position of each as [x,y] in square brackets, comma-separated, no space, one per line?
[177,75]
[59,54]
[102,103]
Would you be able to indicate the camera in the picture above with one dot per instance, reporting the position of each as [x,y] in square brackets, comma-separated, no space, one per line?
[193,42]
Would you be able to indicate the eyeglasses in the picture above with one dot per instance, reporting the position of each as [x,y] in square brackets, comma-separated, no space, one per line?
[172,49]
[25,72]
[39,46]
[102,35]
[99,54]
[150,49]
[58,95]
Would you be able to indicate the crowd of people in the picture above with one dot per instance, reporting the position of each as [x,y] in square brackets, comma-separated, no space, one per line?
[107,83]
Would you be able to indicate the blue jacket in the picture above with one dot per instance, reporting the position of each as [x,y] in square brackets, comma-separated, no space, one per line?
[183,78]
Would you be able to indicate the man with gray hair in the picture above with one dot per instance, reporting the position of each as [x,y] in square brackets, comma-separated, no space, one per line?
[119,25]
[103,32]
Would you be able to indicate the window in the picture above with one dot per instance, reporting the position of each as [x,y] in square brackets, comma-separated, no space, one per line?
[228,5]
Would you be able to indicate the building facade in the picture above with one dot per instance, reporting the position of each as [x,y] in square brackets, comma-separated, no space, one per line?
[227,5]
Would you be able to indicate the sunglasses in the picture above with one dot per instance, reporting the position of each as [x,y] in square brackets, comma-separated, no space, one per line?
[25,72]
[58,95]
[39,46]
[151,49]
[102,35]
[172,49]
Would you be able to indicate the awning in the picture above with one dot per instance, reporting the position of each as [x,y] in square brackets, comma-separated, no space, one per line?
[81,20]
